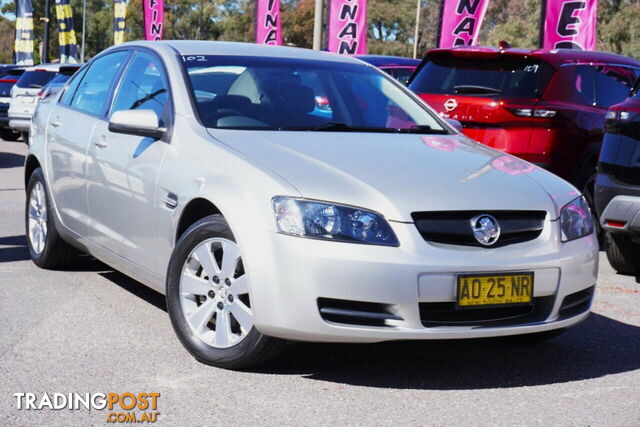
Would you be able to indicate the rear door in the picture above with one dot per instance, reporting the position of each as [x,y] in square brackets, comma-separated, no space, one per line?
[123,169]
[69,129]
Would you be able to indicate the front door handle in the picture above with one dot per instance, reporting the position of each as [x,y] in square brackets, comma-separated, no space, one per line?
[56,122]
[101,142]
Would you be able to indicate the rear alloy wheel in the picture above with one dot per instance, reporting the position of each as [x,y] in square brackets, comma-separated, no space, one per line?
[208,299]
[46,247]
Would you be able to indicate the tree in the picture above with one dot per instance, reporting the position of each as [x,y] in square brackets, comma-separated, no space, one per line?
[7,29]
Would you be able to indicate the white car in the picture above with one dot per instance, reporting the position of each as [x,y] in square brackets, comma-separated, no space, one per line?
[24,96]
[206,171]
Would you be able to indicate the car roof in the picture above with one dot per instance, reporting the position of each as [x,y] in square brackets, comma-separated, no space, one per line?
[385,60]
[206,47]
[46,67]
[555,57]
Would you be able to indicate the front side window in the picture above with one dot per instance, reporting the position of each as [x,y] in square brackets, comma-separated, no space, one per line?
[91,95]
[73,86]
[293,94]
[143,87]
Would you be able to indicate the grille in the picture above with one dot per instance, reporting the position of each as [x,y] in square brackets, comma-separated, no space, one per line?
[576,303]
[435,314]
[454,227]
[355,312]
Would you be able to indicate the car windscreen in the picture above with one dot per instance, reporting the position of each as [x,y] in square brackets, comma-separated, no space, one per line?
[5,87]
[482,77]
[265,93]
[35,79]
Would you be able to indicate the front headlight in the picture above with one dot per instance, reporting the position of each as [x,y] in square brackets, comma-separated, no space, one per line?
[575,219]
[334,222]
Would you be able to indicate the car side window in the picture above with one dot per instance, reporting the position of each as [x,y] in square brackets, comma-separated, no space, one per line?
[92,93]
[72,86]
[584,84]
[613,85]
[143,86]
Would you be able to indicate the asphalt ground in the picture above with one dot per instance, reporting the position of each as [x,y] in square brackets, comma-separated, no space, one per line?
[93,330]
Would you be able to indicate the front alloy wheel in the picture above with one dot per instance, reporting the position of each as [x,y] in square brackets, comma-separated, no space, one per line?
[208,299]
[214,295]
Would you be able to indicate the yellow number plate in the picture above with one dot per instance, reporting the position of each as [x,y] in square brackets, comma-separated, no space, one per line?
[494,290]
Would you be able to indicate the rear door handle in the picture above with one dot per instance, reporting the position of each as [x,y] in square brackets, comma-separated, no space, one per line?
[101,142]
[56,122]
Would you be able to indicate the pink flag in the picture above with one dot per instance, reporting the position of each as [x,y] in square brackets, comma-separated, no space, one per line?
[460,22]
[268,30]
[153,15]
[569,24]
[347,27]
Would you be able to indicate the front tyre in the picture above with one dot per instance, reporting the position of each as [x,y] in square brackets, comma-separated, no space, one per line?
[46,247]
[208,299]
[621,253]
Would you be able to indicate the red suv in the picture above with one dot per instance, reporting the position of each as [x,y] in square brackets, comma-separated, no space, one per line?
[545,106]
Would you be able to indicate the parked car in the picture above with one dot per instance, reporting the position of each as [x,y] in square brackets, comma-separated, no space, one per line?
[24,96]
[9,75]
[58,82]
[545,106]
[262,221]
[617,193]
[397,66]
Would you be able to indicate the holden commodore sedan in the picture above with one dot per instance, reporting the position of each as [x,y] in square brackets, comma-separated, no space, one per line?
[205,171]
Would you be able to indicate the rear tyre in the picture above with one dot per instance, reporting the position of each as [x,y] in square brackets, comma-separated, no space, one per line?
[9,135]
[208,299]
[586,183]
[46,247]
[621,253]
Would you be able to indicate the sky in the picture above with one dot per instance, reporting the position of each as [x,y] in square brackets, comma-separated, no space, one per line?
[7,15]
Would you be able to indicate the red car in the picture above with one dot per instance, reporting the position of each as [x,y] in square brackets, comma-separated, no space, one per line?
[545,106]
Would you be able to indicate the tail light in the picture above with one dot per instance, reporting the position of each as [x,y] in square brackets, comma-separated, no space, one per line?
[623,116]
[534,112]
[322,103]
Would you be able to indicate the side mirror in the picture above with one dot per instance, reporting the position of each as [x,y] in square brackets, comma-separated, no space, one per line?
[137,122]
[454,124]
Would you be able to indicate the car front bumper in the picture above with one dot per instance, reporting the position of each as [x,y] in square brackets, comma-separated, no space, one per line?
[290,277]
[19,124]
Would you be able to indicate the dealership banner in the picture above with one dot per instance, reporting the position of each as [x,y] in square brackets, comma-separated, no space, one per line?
[119,18]
[347,32]
[569,24]
[153,14]
[66,34]
[268,28]
[23,46]
[460,22]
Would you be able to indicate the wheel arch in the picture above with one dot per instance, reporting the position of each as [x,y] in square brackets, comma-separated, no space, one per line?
[31,164]
[193,211]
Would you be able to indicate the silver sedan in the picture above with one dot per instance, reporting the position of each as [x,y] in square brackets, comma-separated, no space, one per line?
[278,194]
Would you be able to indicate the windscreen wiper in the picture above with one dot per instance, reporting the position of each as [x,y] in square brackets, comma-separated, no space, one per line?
[424,129]
[475,89]
[339,127]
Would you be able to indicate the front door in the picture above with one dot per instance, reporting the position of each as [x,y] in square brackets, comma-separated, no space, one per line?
[123,169]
